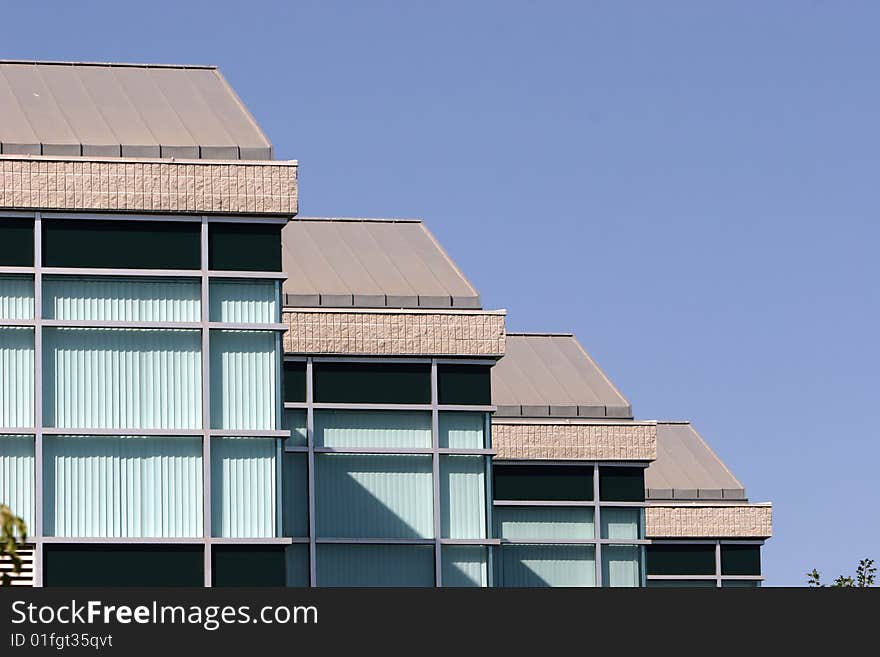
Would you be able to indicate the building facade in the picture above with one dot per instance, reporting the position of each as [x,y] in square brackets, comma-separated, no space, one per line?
[198,387]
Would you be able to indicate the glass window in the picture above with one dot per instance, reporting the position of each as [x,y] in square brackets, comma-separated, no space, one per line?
[295,422]
[529,522]
[681,559]
[548,565]
[681,583]
[129,486]
[243,482]
[543,482]
[16,242]
[372,383]
[464,565]
[343,429]
[16,377]
[296,565]
[128,299]
[248,565]
[375,565]
[295,505]
[16,297]
[122,378]
[294,381]
[621,524]
[243,394]
[374,496]
[622,484]
[244,301]
[17,477]
[464,384]
[740,583]
[462,430]
[463,496]
[740,559]
[123,565]
[245,246]
[621,565]
[122,244]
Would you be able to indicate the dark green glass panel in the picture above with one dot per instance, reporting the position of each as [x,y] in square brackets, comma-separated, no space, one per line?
[17,242]
[248,565]
[295,488]
[740,584]
[123,565]
[372,383]
[740,559]
[464,384]
[294,382]
[622,484]
[543,482]
[681,560]
[297,570]
[121,244]
[681,584]
[244,247]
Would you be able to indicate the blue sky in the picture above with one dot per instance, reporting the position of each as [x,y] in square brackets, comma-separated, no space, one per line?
[690,187]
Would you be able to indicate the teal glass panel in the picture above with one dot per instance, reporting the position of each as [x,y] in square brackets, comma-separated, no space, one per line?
[16,377]
[621,524]
[740,583]
[295,486]
[122,379]
[374,496]
[122,486]
[122,299]
[621,565]
[295,422]
[681,584]
[464,565]
[462,430]
[548,565]
[16,297]
[343,429]
[740,559]
[463,496]
[524,523]
[243,301]
[375,565]
[243,380]
[296,565]
[17,477]
[243,484]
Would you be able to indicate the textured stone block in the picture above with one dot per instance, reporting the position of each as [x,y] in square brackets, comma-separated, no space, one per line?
[575,441]
[709,521]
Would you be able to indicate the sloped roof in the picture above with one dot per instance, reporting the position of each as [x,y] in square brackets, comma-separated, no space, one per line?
[370,263]
[687,469]
[124,110]
[551,375]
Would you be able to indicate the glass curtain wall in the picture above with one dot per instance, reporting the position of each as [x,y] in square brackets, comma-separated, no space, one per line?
[398,477]
[569,525]
[704,563]
[146,371]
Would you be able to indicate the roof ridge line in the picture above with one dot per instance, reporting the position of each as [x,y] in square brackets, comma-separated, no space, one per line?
[51,62]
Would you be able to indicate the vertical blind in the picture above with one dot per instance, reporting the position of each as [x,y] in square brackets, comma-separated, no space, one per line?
[374,496]
[243,301]
[295,422]
[463,496]
[16,377]
[122,486]
[524,523]
[16,297]
[462,430]
[17,476]
[122,378]
[464,565]
[243,482]
[375,565]
[548,565]
[123,299]
[243,380]
[621,565]
[622,524]
[343,429]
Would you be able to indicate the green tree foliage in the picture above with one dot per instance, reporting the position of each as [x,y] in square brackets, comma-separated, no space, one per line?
[865,574]
[13,532]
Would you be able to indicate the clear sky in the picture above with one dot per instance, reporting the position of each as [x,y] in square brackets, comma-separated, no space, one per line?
[690,187]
